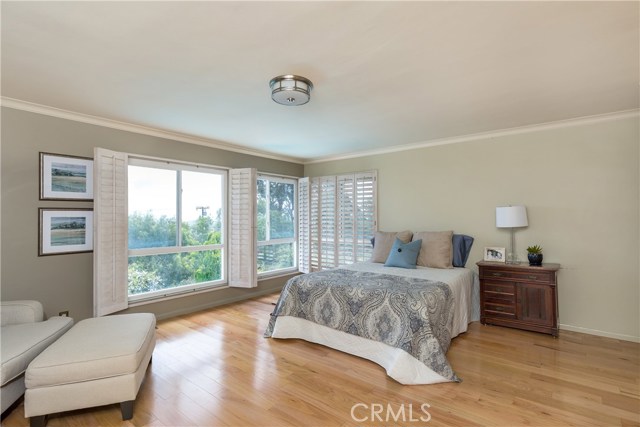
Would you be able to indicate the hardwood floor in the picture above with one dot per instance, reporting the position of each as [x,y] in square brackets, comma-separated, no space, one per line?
[214,368]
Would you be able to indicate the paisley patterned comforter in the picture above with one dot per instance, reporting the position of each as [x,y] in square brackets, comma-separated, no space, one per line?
[408,313]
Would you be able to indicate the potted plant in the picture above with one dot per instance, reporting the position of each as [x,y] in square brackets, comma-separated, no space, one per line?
[534,253]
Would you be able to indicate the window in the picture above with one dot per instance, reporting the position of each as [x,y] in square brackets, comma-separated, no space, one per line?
[176,223]
[276,224]
[160,229]
[340,219]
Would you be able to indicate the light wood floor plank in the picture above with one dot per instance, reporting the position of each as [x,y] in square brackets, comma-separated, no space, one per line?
[214,368]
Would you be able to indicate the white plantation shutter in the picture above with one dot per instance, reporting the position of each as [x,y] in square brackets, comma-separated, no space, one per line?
[242,228]
[342,219]
[365,214]
[328,247]
[346,221]
[314,223]
[110,253]
[304,255]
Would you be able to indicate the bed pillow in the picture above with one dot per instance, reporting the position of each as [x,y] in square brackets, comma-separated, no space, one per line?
[384,241]
[436,250]
[461,248]
[403,255]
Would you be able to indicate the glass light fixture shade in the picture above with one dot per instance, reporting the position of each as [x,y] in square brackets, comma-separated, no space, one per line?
[511,216]
[290,90]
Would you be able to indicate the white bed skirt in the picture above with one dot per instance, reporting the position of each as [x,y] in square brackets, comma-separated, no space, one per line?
[399,364]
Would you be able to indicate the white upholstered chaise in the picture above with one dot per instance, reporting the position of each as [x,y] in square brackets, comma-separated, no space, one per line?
[24,334]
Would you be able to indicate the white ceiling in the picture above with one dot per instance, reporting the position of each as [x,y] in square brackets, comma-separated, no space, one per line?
[385,73]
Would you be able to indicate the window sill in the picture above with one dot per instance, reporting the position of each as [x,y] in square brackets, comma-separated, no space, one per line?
[277,273]
[218,287]
[170,296]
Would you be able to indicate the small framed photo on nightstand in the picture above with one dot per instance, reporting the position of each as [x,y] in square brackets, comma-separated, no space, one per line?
[494,254]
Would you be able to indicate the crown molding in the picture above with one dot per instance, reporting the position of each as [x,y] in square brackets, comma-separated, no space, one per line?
[176,136]
[18,104]
[619,115]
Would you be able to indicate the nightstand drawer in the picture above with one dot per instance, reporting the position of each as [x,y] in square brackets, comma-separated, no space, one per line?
[504,293]
[499,310]
[519,276]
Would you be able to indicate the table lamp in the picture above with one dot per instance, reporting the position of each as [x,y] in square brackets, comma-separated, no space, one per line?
[511,217]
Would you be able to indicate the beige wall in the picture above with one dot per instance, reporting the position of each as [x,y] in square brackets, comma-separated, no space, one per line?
[64,282]
[580,185]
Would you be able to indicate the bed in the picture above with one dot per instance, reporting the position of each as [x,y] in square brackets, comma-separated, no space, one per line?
[402,319]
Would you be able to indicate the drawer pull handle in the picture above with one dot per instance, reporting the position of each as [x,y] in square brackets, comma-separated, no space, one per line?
[496,274]
[532,277]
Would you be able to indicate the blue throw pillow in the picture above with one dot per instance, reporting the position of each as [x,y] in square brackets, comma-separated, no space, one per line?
[404,255]
[461,249]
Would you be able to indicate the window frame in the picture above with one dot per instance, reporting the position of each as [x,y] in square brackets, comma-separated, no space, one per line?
[270,242]
[179,167]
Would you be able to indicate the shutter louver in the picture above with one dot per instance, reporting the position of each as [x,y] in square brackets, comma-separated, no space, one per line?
[242,228]
[110,253]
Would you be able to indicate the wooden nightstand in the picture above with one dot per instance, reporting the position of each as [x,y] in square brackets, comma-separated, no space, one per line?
[519,296]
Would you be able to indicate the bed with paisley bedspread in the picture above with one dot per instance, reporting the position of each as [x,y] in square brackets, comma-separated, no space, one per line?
[402,319]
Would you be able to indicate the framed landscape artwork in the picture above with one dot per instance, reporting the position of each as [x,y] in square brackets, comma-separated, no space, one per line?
[494,254]
[65,177]
[65,231]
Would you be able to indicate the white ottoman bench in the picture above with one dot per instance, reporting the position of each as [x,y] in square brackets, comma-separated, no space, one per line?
[100,361]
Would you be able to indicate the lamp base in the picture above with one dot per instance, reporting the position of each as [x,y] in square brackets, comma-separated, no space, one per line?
[512,255]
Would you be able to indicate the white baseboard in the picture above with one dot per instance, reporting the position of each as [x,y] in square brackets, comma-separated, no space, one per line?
[622,337]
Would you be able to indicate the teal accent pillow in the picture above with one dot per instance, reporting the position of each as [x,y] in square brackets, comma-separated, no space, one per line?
[404,255]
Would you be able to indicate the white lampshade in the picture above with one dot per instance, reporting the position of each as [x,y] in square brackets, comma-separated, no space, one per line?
[511,216]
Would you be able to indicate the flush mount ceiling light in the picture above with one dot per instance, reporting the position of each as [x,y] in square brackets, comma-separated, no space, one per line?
[290,89]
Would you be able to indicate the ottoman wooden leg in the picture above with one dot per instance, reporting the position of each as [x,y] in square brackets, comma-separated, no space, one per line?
[39,421]
[127,410]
